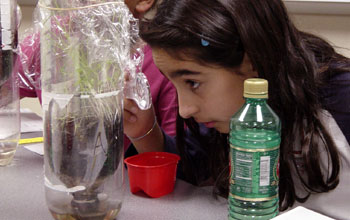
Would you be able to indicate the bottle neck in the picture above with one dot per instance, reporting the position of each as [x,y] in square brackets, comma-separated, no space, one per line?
[255,100]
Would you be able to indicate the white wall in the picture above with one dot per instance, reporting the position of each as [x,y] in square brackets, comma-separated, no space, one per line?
[334,29]
[27,18]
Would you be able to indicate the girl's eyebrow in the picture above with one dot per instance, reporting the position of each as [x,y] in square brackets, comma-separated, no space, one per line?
[182,72]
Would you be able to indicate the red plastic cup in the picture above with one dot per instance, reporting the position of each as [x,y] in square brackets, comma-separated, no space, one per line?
[153,172]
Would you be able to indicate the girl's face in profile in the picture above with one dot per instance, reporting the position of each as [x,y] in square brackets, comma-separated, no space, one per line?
[210,94]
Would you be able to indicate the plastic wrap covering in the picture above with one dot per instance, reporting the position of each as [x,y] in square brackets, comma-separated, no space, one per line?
[28,64]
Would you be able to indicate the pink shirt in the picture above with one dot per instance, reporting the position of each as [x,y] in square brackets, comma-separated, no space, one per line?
[162,91]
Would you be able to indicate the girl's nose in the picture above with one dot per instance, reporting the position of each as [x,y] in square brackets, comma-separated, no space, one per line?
[187,108]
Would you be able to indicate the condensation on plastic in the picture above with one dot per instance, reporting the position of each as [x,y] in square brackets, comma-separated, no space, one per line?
[91,21]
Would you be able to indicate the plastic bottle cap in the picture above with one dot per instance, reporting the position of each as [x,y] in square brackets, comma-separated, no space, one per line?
[255,88]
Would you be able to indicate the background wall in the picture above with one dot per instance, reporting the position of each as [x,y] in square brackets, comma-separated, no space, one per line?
[335,28]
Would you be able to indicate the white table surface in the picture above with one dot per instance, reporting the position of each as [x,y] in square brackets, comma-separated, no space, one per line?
[22,196]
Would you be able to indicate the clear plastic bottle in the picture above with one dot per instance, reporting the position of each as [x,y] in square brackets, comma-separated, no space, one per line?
[254,139]
[9,92]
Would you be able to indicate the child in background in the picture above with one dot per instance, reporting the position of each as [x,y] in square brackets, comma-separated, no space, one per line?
[162,91]
[207,49]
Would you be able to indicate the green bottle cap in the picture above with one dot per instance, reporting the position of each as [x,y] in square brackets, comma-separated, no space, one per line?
[255,88]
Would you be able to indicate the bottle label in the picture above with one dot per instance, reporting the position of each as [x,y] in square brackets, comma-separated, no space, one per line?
[254,173]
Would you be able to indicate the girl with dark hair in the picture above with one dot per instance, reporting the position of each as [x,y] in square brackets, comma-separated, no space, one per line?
[208,48]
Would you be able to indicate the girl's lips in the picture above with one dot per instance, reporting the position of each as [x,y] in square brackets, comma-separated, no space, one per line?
[209,124]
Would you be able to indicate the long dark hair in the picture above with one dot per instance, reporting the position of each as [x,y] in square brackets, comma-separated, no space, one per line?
[296,64]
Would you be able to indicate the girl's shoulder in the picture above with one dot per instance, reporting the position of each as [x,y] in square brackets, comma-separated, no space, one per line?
[336,88]
[335,98]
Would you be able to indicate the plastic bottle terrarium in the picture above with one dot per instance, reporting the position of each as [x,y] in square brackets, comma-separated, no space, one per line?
[85,50]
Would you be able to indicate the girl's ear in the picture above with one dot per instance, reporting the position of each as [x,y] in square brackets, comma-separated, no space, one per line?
[247,67]
[143,6]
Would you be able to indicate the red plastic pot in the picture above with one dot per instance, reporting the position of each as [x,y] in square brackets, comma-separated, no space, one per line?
[153,172]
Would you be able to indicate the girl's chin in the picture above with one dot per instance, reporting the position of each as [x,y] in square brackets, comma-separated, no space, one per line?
[223,130]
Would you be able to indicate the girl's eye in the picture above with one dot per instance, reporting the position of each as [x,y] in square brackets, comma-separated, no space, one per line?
[194,85]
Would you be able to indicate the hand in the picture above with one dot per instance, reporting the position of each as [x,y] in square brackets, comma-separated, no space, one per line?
[136,121]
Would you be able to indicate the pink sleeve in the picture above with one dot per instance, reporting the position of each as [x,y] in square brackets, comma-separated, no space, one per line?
[166,107]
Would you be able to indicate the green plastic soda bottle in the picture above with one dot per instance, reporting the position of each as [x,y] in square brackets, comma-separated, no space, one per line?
[255,136]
